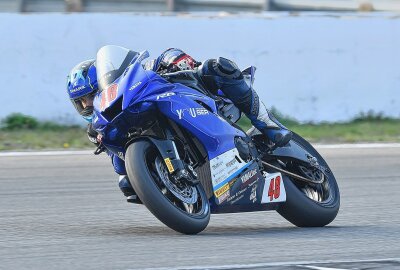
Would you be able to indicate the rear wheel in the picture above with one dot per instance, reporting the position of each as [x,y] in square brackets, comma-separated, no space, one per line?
[181,207]
[310,205]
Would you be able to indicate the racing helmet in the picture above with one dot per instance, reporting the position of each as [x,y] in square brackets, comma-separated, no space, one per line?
[82,87]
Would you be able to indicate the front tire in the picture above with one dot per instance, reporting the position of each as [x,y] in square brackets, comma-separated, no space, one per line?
[141,159]
[305,208]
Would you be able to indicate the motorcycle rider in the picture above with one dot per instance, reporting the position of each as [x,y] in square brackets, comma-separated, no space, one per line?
[216,74]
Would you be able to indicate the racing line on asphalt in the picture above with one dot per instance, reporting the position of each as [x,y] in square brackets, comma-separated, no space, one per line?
[307,264]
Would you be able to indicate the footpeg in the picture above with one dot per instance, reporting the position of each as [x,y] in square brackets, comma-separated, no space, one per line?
[134,199]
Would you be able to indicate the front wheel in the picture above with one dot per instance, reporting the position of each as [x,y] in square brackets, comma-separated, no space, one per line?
[310,205]
[181,207]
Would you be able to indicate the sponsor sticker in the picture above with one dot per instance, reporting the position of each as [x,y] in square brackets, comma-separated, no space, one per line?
[194,112]
[77,89]
[253,194]
[201,111]
[222,190]
[249,190]
[223,197]
[219,169]
[232,182]
[169,165]
[135,85]
[236,198]
[237,194]
[231,162]
[248,175]
[217,165]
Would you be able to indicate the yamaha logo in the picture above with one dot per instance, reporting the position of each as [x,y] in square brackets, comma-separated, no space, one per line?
[248,175]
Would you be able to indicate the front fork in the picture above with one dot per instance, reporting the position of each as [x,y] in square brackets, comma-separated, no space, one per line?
[177,168]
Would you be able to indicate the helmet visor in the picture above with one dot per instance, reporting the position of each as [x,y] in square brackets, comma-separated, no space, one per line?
[84,105]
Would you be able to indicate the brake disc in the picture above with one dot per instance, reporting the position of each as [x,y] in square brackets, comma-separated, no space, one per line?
[185,193]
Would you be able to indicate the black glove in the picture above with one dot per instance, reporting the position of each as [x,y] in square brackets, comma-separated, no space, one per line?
[92,135]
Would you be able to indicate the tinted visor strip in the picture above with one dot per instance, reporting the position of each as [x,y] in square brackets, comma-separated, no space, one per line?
[115,74]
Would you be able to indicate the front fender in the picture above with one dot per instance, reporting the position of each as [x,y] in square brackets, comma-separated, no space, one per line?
[166,149]
[292,151]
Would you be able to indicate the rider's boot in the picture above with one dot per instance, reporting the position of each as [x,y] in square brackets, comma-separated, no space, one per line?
[262,119]
[123,183]
[127,189]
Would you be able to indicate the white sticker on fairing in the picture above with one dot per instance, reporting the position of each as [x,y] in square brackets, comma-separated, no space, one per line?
[165,95]
[274,189]
[225,165]
[194,112]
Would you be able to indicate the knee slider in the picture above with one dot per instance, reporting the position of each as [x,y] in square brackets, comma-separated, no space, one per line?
[227,69]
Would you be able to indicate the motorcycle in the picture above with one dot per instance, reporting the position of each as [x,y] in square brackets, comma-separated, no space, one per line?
[186,158]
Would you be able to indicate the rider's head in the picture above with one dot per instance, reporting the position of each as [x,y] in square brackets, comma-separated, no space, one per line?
[82,87]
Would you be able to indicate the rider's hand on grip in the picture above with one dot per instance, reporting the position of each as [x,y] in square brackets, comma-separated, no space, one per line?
[93,135]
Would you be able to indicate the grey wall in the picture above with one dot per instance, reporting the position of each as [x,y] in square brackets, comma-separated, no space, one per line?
[313,67]
[131,5]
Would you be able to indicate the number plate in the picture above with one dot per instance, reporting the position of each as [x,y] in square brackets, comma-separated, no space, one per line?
[274,189]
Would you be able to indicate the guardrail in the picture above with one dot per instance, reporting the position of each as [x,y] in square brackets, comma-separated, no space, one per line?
[194,5]
[336,5]
[131,5]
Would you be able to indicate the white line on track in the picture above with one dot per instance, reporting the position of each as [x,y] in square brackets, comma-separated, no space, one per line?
[283,264]
[90,152]
[322,268]
[45,153]
[357,145]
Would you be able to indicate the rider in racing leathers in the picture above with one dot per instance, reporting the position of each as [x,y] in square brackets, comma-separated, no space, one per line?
[216,74]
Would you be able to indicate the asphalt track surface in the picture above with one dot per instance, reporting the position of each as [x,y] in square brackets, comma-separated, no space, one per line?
[66,212]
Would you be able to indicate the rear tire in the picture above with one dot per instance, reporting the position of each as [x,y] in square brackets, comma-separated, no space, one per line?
[303,211]
[139,160]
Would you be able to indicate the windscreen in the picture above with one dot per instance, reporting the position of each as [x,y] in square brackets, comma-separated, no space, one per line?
[111,63]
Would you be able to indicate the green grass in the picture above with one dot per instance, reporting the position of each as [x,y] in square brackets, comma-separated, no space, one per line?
[19,132]
[359,130]
[65,138]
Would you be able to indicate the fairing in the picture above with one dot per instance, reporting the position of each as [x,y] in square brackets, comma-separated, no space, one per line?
[142,90]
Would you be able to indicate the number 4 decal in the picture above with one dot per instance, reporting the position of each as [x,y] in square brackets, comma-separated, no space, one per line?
[274,190]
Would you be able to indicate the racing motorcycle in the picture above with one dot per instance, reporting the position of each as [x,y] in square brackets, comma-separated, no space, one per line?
[186,158]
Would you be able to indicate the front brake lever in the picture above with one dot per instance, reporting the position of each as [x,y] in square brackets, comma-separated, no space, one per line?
[100,149]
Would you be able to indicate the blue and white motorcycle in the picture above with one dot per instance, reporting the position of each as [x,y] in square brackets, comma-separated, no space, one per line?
[186,158]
